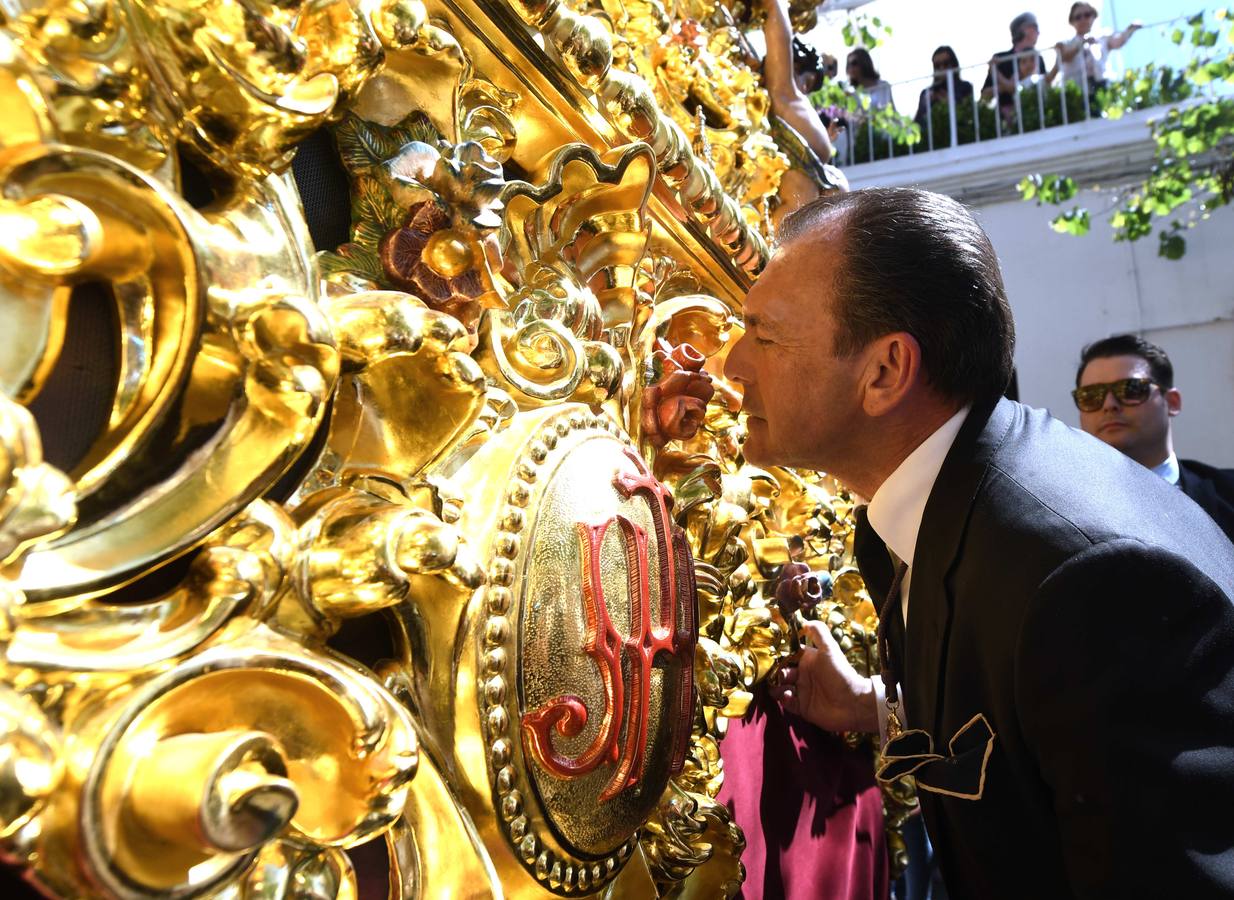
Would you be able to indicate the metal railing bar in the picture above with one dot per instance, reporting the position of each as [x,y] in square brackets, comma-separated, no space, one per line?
[998,106]
[951,107]
[1019,107]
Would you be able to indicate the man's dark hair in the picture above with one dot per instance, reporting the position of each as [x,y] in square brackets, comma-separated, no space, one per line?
[1159,365]
[918,262]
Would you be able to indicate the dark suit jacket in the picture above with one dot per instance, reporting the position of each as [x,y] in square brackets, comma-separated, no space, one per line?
[1084,606]
[1212,489]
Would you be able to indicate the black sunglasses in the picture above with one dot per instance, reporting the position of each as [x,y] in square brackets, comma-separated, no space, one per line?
[1128,391]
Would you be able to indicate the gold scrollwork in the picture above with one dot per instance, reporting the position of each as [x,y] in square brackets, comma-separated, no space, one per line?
[203,764]
[296,446]
[585,46]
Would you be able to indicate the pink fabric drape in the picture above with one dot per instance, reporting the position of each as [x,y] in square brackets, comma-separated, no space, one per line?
[809,806]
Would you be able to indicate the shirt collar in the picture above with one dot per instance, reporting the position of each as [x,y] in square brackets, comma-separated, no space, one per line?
[896,508]
[1167,469]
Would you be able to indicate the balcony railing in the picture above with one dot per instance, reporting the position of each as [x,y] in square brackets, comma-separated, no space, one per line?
[955,113]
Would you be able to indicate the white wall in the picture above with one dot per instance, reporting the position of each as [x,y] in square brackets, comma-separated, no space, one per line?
[1067,291]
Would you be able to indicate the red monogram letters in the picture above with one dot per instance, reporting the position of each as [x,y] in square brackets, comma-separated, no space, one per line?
[653,632]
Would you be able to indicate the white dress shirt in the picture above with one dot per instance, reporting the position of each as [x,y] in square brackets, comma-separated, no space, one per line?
[1092,59]
[1168,469]
[895,513]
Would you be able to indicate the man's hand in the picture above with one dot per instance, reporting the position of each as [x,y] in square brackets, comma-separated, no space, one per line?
[825,689]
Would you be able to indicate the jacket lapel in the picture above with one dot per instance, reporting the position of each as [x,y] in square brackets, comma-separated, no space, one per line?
[938,542]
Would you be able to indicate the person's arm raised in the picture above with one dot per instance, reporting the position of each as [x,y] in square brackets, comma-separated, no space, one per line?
[787,101]
[1067,50]
[1118,40]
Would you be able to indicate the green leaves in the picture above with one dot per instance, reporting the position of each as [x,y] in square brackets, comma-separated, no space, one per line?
[1074,222]
[865,31]
[1053,189]
[363,145]
[1056,190]
[885,121]
[1193,170]
[1132,221]
[1173,246]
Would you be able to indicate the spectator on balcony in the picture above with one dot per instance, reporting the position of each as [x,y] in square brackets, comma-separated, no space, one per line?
[944,60]
[1085,56]
[864,78]
[1022,57]
[1126,396]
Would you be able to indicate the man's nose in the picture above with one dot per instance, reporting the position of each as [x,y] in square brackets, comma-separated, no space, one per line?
[734,363]
[1110,402]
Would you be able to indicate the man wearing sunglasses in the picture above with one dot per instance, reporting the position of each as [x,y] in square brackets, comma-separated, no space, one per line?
[1126,397]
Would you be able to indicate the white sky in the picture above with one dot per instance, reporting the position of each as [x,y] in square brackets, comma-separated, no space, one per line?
[979,28]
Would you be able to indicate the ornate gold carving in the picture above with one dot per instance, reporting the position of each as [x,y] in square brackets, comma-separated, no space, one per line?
[584,44]
[408,390]
[36,500]
[408,431]
[203,764]
[580,237]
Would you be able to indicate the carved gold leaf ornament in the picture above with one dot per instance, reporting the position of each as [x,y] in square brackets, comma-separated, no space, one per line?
[584,45]
[211,740]
[31,762]
[37,503]
[437,431]
[408,390]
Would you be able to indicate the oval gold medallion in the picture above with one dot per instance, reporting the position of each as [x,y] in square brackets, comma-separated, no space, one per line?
[591,622]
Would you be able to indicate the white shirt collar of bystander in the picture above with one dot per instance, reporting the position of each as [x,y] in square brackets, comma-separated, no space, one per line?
[1168,469]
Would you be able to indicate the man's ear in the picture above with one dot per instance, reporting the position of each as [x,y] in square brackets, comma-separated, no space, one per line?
[892,370]
[1173,401]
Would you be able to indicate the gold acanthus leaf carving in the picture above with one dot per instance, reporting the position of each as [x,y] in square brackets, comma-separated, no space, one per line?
[224,373]
[408,390]
[577,242]
[213,740]
[582,234]
[240,570]
[31,764]
[367,547]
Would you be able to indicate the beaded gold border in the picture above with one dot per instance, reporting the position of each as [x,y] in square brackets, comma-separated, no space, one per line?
[560,872]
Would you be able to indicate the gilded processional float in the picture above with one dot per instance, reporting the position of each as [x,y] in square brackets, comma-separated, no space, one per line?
[438,540]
